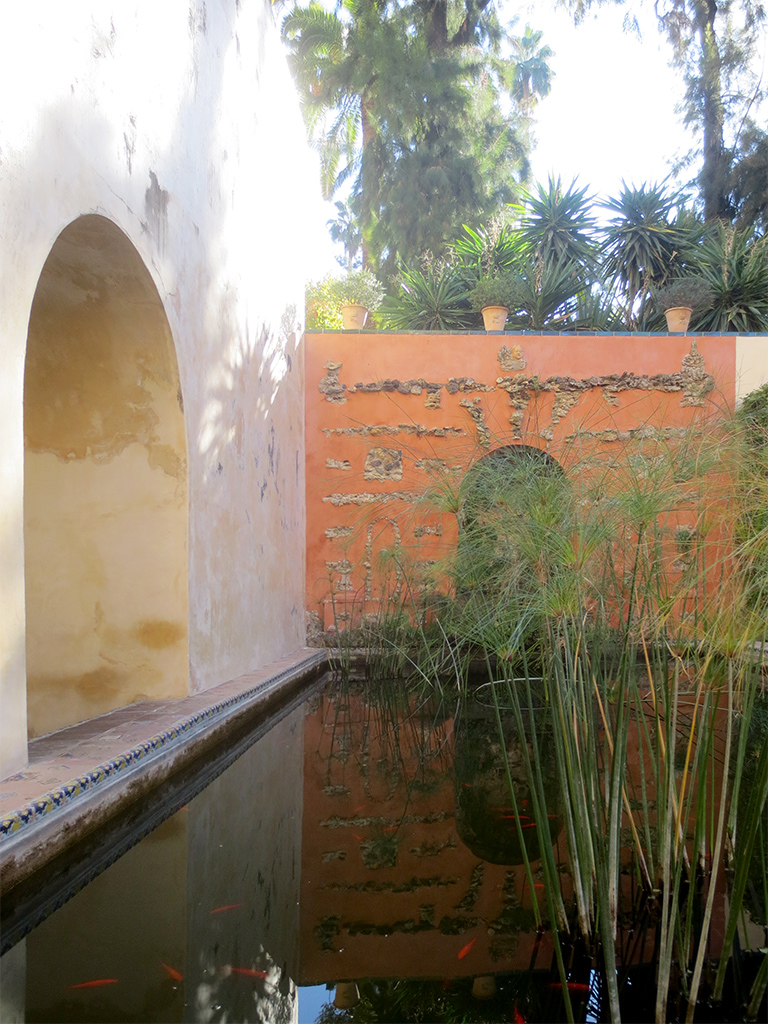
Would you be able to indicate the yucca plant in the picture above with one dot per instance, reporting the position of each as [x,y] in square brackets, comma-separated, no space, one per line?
[431,298]
[557,224]
[642,241]
[734,265]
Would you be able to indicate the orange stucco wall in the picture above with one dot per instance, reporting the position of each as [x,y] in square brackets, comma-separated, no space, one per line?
[380,408]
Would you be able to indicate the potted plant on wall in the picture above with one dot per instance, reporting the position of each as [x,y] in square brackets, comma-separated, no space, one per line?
[493,297]
[343,303]
[680,299]
[359,294]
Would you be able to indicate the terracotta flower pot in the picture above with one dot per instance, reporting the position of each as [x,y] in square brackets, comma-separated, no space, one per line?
[354,316]
[347,995]
[678,318]
[494,317]
[484,987]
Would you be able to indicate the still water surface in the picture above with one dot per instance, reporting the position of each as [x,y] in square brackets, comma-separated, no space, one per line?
[360,838]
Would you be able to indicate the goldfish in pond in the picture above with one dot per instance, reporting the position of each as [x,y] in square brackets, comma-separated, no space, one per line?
[228,906]
[573,986]
[248,972]
[172,972]
[463,952]
[96,983]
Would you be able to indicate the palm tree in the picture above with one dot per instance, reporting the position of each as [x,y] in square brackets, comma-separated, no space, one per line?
[531,76]
[532,73]
[404,103]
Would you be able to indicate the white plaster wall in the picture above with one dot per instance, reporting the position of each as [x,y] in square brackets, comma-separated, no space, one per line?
[178,121]
[751,364]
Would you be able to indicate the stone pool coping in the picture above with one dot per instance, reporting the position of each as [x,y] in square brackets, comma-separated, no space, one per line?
[78,778]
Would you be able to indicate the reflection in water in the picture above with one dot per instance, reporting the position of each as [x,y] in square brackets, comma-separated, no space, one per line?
[390,887]
[199,922]
[372,842]
[495,813]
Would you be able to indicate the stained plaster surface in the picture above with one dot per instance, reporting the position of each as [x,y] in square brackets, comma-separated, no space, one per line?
[98,761]
[178,123]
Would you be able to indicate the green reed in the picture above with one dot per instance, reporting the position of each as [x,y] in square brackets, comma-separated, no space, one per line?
[628,594]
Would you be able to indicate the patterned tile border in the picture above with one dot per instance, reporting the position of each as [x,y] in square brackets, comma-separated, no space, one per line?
[30,813]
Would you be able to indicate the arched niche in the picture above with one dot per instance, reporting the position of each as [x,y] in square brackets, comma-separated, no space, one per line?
[105,485]
[511,503]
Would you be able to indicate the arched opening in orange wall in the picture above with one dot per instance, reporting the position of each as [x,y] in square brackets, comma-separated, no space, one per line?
[105,485]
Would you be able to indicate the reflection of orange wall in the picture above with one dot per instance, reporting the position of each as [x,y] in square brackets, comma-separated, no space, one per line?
[379,406]
[436,899]
[412,918]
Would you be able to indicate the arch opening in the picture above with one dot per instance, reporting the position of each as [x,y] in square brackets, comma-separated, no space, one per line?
[105,485]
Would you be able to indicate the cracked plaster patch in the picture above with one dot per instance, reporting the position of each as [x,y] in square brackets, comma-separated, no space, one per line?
[387,430]
[428,531]
[337,464]
[475,410]
[337,532]
[343,567]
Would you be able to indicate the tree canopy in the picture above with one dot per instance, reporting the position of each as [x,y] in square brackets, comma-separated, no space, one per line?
[415,105]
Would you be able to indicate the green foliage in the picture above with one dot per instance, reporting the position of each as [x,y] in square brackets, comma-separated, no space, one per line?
[564,597]
[494,291]
[734,265]
[433,298]
[546,295]
[488,251]
[693,292]
[642,242]
[411,104]
[325,298]
[557,225]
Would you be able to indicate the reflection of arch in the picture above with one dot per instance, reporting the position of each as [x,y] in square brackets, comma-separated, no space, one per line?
[105,489]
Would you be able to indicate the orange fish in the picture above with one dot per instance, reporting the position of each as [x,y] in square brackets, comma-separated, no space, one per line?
[463,952]
[229,906]
[357,837]
[519,1018]
[172,972]
[390,828]
[97,983]
[249,972]
[573,986]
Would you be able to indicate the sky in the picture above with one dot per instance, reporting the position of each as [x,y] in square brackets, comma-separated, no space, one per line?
[611,112]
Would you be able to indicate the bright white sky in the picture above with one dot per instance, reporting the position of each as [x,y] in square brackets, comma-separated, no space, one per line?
[611,112]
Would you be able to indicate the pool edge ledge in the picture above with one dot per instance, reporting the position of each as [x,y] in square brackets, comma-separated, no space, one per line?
[46,827]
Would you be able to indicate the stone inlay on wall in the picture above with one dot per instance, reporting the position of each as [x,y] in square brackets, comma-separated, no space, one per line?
[383,464]
[461,397]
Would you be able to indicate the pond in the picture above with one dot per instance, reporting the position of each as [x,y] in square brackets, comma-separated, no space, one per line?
[363,850]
